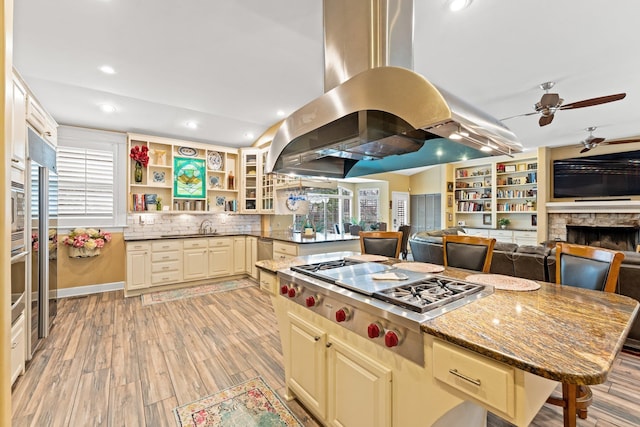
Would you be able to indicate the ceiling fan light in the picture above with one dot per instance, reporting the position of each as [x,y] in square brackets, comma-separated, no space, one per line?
[486,148]
[458,5]
[455,135]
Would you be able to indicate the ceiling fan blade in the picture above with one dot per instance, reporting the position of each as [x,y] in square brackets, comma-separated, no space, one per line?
[624,141]
[596,141]
[520,115]
[545,120]
[593,101]
[550,100]
[585,149]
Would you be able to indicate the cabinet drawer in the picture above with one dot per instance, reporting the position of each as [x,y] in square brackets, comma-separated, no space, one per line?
[166,277]
[17,348]
[525,238]
[215,243]
[166,245]
[195,243]
[477,232]
[268,282]
[477,376]
[285,248]
[138,246]
[165,256]
[158,267]
[505,234]
[36,115]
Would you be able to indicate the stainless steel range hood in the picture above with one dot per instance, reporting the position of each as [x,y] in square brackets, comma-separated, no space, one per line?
[374,106]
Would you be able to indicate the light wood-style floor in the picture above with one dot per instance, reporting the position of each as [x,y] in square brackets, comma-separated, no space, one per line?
[112,361]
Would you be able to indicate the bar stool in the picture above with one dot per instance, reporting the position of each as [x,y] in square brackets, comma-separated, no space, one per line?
[385,243]
[592,268]
[468,252]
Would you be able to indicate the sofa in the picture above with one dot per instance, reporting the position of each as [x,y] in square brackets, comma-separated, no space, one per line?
[530,262]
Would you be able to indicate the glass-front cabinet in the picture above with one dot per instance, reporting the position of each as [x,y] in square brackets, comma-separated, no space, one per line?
[249,191]
[172,175]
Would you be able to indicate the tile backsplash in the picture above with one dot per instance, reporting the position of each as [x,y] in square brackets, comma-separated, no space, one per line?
[146,225]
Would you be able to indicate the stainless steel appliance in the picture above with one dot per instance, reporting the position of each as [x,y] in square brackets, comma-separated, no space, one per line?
[17,218]
[362,298]
[43,295]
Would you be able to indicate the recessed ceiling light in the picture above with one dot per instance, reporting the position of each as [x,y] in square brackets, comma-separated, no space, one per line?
[486,148]
[249,135]
[280,113]
[191,125]
[108,108]
[107,69]
[457,5]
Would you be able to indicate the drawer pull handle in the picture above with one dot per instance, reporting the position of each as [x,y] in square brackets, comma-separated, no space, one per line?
[14,345]
[165,268]
[464,377]
[316,338]
[165,257]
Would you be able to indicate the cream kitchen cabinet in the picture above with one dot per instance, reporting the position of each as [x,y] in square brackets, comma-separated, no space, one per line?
[239,255]
[19,127]
[138,265]
[220,256]
[195,259]
[283,250]
[42,122]
[18,349]
[251,256]
[337,383]
[268,282]
[166,262]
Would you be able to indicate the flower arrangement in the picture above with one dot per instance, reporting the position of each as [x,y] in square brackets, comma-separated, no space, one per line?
[140,154]
[53,241]
[89,238]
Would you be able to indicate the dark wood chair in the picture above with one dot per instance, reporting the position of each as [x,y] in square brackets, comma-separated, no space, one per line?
[404,250]
[386,243]
[468,252]
[592,268]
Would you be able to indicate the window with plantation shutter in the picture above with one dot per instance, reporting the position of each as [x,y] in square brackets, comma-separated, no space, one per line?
[85,182]
[91,171]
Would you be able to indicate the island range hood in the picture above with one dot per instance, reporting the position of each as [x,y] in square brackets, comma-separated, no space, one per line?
[374,105]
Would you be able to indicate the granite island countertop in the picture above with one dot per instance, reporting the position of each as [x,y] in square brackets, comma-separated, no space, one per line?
[562,333]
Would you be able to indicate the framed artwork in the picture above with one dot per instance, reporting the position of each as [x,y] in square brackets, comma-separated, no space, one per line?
[486,219]
[510,168]
[449,217]
[449,186]
[189,178]
[449,201]
[487,206]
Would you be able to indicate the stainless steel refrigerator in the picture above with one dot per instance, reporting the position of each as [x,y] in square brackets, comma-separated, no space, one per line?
[44,237]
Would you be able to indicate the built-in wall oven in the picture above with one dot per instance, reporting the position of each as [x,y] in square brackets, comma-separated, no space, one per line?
[17,218]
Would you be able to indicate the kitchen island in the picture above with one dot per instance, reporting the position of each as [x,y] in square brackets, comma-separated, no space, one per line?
[515,345]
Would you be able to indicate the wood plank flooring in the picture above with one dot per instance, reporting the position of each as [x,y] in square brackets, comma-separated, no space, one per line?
[111,361]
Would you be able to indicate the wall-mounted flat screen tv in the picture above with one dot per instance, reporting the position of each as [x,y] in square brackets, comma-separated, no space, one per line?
[606,175]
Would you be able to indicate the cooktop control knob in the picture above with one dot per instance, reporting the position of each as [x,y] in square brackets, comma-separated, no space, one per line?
[312,301]
[391,339]
[343,314]
[292,292]
[284,289]
[374,330]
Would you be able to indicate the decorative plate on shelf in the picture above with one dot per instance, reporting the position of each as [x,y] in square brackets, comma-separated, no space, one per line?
[214,182]
[159,176]
[187,151]
[220,200]
[214,161]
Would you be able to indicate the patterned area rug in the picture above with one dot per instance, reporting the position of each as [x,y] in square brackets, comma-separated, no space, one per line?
[250,404]
[195,291]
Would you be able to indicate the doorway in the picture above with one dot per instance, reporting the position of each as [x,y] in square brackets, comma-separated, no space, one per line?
[399,209]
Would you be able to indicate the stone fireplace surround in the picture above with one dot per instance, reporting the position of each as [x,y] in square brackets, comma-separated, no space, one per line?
[593,219]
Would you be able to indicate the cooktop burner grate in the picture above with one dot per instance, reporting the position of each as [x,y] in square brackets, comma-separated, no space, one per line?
[428,294]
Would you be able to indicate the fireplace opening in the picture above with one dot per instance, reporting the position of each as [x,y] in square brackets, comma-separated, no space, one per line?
[620,238]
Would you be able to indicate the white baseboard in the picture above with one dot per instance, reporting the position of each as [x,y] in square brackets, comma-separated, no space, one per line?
[90,289]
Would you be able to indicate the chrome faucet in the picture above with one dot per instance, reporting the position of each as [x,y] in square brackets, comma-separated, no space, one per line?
[206,227]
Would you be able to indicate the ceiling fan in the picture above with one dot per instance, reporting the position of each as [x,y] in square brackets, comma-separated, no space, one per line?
[591,141]
[551,102]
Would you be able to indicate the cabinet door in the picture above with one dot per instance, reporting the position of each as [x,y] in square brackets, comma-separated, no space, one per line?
[251,256]
[418,212]
[195,264]
[17,348]
[359,388]
[220,261]
[19,131]
[239,254]
[138,269]
[307,365]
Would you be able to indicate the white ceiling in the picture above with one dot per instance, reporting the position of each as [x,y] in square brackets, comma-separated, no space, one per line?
[231,65]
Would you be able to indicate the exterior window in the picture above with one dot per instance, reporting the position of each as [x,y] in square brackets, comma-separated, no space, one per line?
[90,172]
[327,208]
[369,202]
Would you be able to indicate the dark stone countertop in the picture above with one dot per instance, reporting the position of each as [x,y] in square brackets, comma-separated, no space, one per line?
[283,236]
